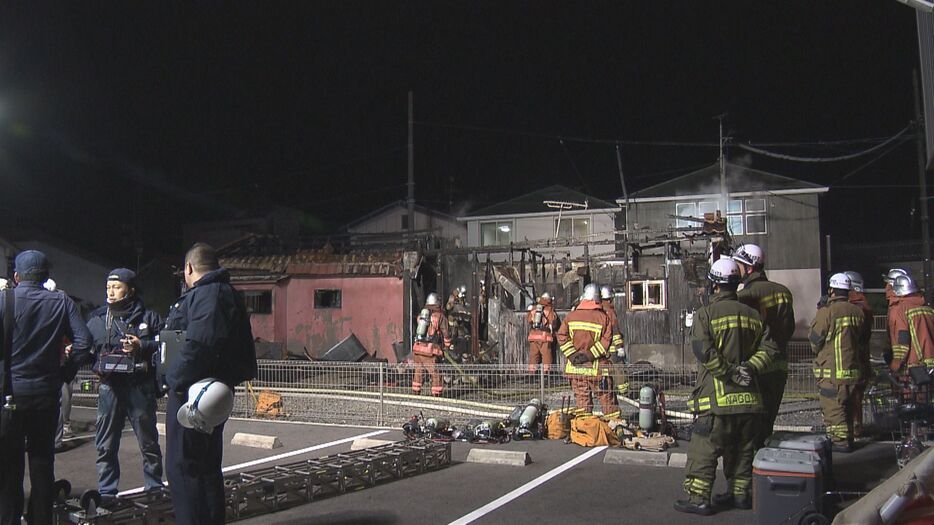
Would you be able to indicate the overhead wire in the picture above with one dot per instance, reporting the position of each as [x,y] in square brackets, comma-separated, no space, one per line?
[837,158]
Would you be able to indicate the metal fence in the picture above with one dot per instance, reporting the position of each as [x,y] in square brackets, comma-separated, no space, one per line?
[380,394]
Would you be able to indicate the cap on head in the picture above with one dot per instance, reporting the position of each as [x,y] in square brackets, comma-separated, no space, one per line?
[904,285]
[123,275]
[31,265]
[591,293]
[840,281]
[856,280]
[749,254]
[890,276]
[724,271]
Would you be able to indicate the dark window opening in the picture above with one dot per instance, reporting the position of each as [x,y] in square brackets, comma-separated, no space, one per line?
[258,301]
[405,222]
[327,298]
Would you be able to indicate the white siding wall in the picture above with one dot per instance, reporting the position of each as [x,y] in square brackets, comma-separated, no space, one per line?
[543,227]
[391,221]
[805,286]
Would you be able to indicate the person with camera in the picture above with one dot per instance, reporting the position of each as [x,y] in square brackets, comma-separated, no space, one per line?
[32,377]
[124,334]
[217,354]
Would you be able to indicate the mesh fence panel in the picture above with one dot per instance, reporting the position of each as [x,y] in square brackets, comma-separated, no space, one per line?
[381,394]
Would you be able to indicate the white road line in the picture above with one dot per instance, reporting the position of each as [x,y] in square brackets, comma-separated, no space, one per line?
[277,457]
[506,498]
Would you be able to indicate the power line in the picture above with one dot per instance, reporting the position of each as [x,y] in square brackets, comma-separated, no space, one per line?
[866,165]
[824,159]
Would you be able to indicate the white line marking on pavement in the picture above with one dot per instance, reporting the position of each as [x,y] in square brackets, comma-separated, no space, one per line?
[506,498]
[276,457]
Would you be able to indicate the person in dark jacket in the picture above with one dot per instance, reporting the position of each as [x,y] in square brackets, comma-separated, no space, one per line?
[219,344]
[43,318]
[124,334]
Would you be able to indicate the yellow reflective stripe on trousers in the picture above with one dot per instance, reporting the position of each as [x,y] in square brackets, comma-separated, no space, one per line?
[917,312]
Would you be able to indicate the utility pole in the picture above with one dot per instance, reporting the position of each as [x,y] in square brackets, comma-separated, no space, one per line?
[411,184]
[723,194]
[922,180]
[622,182]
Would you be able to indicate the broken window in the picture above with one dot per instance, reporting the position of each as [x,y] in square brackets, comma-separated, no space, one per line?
[258,301]
[647,295]
[327,298]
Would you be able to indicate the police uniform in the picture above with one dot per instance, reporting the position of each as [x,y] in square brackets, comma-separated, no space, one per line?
[126,395]
[835,338]
[725,334]
[774,303]
[219,345]
[43,319]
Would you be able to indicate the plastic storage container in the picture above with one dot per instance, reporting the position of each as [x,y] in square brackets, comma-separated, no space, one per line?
[819,444]
[788,486]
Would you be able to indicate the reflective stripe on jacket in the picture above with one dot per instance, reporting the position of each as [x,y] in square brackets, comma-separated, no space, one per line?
[549,318]
[727,333]
[835,335]
[775,305]
[616,342]
[587,330]
[921,328]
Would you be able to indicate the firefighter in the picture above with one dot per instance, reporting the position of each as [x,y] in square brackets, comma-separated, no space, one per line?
[542,321]
[432,331]
[455,307]
[911,325]
[731,344]
[857,297]
[617,349]
[835,337]
[775,305]
[584,339]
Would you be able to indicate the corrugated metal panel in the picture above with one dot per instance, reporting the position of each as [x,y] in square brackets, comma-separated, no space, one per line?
[926,48]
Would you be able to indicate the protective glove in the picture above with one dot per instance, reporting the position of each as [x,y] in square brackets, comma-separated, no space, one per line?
[741,374]
[579,358]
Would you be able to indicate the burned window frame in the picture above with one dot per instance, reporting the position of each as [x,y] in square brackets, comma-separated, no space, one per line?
[258,302]
[319,302]
[645,285]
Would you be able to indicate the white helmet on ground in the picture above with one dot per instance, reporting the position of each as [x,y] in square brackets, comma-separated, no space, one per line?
[591,293]
[840,281]
[890,276]
[433,299]
[750,254]
[856,280]
[724,271]
[605,292]
[904,285]
[209,404]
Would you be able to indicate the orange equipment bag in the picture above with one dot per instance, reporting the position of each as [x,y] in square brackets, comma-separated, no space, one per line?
[591,431]
[269,404]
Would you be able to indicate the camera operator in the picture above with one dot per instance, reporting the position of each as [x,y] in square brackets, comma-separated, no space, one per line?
[124,334]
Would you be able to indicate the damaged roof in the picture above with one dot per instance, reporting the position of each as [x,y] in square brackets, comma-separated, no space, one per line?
[739,179]
[532,202]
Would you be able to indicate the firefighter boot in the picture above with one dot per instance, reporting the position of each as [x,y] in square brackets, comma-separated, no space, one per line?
[690,506]
[730,500]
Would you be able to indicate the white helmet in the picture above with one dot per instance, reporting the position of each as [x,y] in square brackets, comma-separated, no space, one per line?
[432,299]
[856,280]
[591,293]
[462,291]
[545,296]
[605,292]
[904,285]
[889,277]
[724,271]
[750,254]
[209,404]
[840,281]
[4,284]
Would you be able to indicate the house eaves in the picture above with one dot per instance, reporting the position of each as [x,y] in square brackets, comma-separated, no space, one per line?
[567,213]
[800,191]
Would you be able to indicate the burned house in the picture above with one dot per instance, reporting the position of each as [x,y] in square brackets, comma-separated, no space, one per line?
[305,301]
[669,256]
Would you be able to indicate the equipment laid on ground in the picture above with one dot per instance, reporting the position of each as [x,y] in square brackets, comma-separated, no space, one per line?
[531,421]
[788,487]
[652,441]
[419,427]
[270,489]
[647,408]
[558,424]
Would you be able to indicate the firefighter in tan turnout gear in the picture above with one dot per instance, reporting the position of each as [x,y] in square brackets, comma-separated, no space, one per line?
[542,320]
[835,338]
[731,345]
[431,333]
[617,350]
[584,338]
[774,303]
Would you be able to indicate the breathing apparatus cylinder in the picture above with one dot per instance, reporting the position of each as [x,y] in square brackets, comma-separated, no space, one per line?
[530,414]
[424,321]
[437,424]
[647,408]
[539,314]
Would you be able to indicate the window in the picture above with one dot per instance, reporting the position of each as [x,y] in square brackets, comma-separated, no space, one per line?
[647,295]
[495,233]
[258,301]
[405,222]
[327,298]
[573,227]
[686,209]
[743,217]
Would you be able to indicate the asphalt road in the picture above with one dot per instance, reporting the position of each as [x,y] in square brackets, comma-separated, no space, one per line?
[586,492]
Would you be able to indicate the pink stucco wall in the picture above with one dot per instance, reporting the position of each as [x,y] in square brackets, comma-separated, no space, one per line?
[371,309]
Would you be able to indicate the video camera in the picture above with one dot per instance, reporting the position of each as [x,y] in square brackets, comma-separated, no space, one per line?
[120,362]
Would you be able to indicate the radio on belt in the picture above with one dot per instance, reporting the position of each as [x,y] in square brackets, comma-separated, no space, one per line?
[171,343]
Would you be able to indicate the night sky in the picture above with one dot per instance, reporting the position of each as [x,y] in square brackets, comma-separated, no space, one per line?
[121,121]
